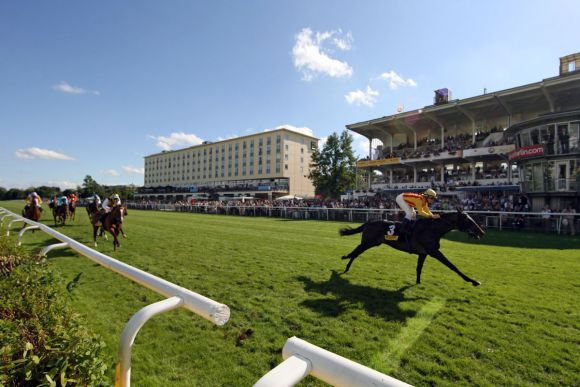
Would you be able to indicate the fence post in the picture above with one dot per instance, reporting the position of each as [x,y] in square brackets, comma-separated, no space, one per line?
[123,377]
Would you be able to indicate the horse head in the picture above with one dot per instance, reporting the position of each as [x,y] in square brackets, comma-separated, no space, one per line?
[117,214]
[465,223]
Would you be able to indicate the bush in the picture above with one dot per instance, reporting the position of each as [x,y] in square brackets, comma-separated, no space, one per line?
[43,341]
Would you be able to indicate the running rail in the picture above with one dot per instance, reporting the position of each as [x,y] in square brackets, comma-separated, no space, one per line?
[177,296]
[302,359]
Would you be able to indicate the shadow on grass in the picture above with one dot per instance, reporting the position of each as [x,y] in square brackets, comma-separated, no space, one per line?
[519,239]
[377,302]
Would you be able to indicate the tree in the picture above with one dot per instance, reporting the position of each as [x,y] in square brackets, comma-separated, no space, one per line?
[91,187]
[333,169]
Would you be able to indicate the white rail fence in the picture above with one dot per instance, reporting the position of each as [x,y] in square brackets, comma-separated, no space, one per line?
[177,296]
[300,357]
[557,222]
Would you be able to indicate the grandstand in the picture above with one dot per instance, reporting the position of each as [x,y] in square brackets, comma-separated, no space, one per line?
[523,139]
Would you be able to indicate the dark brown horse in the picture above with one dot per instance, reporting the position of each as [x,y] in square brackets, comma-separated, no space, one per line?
[424,241]
[60,214]
[112,222]
[72,208]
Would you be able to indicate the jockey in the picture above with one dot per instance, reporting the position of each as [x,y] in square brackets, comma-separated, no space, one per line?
[113,200]
[94,199]
[72,198]
[62,201]
[33,199]
[108,204]
[409,202]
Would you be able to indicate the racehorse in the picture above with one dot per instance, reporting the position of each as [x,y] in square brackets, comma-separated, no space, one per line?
[33,212]
[113,223]
[424,241]
[60,213]
[72,208]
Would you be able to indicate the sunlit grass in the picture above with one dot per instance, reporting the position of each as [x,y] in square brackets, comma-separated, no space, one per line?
[281,279]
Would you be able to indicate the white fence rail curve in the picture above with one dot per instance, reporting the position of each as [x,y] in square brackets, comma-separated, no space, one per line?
[205,307]
[300,357]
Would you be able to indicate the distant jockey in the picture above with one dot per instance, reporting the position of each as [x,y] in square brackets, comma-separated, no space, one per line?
[72,198]
[32,199]
[62,201]
[110,202]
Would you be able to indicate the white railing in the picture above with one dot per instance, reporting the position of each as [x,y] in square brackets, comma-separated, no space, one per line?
[177,296]
[533,221]
[300,357]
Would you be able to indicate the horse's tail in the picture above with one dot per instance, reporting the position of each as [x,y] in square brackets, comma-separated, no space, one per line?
[351,231]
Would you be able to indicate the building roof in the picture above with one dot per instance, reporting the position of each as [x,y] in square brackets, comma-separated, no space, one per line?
[552,94]
[209,143]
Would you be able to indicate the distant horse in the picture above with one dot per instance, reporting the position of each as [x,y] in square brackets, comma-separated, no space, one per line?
[113,223]
[60,214]
[72,208]
[424,241]
[32,212]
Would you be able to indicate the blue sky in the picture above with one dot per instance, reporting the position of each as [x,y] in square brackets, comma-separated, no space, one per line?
[89,88]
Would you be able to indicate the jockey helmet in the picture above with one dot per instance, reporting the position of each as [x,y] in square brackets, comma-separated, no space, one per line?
[430,194]
[115,197]
[34,195]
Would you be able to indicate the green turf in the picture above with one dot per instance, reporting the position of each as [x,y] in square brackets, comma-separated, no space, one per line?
[282,278]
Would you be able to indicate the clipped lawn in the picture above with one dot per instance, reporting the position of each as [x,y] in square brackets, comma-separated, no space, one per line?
[281,278]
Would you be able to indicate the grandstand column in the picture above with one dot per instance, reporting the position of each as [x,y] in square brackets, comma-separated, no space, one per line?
[391,176]
[470,116]
[414,174]
[473,170]
[435,120]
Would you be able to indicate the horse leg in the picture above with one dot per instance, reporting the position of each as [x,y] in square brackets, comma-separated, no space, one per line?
[420,263]
[355,253]
[113,230]
[438,255]
[95,228]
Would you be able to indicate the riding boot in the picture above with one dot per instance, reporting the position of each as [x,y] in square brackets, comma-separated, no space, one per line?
[405,231]
[405,226]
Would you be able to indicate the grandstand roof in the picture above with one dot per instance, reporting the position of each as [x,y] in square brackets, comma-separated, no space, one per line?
[559,93]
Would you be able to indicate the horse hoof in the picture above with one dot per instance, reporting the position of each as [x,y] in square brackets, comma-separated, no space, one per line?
[344,257]
[476,283]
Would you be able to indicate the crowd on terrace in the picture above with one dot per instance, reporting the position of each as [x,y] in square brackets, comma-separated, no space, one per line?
[474,202]
[427,147]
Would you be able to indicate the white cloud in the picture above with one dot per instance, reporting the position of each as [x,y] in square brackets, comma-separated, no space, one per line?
[362,146]
[345,43]
[110,172]
[395,80]
[311,56]
[139,171]
[64,87]
[302,130]
[63,184]
[359,97]
[178,139]
[32,153]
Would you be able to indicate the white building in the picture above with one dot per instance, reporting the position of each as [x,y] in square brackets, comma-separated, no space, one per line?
[264,165]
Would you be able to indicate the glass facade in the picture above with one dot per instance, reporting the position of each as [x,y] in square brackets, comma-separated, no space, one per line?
[558,138]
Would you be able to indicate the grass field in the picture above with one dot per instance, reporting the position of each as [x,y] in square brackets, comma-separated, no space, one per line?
[281,278]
